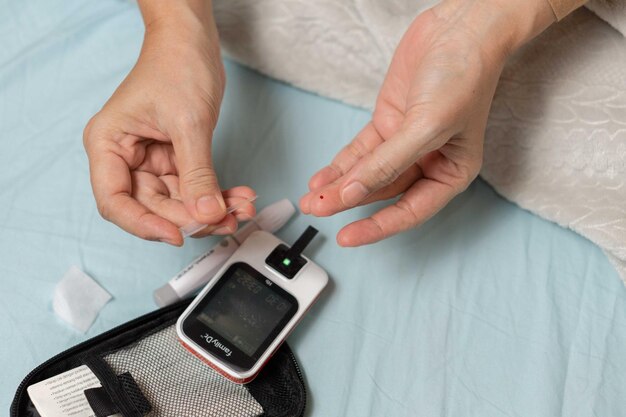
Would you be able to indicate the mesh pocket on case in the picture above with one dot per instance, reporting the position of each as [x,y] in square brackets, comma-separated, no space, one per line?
[178,384]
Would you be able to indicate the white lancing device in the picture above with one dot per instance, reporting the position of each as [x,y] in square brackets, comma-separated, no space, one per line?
[203,268]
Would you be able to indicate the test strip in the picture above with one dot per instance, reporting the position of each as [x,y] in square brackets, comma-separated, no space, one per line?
[194,227]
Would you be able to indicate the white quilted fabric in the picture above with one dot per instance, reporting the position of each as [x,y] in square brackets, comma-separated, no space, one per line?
[556,140]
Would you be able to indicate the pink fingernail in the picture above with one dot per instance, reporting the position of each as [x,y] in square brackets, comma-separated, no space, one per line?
[210,205]
[169,242]
[224,230]
[244,217]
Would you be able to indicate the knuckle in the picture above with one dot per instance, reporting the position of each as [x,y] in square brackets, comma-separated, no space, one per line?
[412,219]
[464,174]
[385,173]
[385,123]
[190,123]
[104,210]
[461,186]
[474,163]
[381,229]
[427,124]
[337,168]
[199,177]
[141,231]
[356,150]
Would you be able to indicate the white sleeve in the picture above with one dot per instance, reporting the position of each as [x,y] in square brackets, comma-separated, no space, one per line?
[611,11]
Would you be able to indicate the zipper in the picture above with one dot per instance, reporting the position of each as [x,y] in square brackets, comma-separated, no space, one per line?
[85,345]
[300,377]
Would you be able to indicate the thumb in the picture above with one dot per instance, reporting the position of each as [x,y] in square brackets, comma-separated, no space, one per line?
[198,183]
[385,163]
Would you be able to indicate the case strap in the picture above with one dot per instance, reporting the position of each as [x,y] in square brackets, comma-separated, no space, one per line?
[118,393]
[100,402]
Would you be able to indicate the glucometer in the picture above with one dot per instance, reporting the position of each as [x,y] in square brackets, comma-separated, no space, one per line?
[251,305]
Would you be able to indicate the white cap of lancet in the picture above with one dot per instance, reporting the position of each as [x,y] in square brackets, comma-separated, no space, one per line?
[274,216]
[270,219]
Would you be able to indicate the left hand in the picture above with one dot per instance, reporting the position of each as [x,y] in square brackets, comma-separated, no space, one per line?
[425,139]
[150,147]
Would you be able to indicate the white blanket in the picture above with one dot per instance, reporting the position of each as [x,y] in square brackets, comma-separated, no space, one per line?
[556,139]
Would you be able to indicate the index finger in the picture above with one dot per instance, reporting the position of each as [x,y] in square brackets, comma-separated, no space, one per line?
[363,143]
[377,169]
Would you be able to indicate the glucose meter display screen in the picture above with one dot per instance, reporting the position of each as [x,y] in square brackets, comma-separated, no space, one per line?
[245,308]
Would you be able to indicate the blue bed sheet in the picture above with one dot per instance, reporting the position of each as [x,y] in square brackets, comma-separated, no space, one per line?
[484,311]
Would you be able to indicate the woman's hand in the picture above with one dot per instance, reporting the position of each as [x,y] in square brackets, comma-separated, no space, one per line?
[425,139]
[149,147]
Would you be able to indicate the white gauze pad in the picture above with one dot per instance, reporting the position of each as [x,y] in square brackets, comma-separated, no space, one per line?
[78,299]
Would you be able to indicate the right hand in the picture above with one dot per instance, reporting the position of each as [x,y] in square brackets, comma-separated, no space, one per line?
[424,143]
[149,147]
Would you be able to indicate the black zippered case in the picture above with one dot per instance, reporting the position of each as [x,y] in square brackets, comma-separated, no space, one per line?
[145,371]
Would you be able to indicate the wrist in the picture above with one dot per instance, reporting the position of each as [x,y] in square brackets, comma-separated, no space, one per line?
[179,18]
[502,26]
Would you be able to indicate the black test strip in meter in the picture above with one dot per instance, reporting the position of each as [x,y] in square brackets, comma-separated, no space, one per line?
[288,261]
[302,242]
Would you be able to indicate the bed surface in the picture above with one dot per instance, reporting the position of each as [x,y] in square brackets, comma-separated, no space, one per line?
[485,311]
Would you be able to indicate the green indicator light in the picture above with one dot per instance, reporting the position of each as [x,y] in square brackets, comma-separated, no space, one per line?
[286,261]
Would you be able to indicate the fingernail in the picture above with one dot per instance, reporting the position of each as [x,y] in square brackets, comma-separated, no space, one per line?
[169,242]
[224,230]
[243,217]
[353,194]
[210,205]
